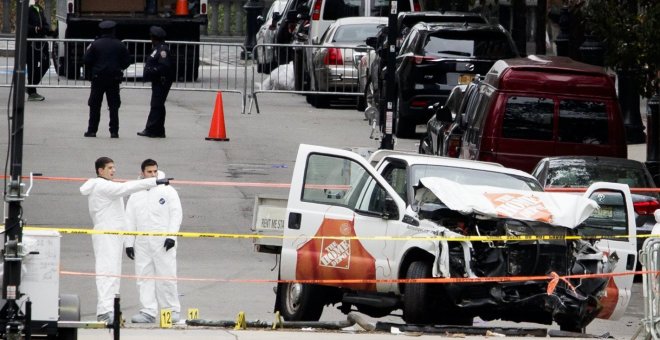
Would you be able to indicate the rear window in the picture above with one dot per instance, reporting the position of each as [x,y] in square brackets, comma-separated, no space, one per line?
[474,44]
[336,9]
[583,122]
[528,118]
[352,33]
[583,174]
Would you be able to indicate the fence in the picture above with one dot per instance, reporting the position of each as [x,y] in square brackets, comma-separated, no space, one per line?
[198,66]
[650,259]
[317,71]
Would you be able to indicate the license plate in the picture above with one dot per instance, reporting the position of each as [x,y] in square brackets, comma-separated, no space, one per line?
[465,79]
[603,212]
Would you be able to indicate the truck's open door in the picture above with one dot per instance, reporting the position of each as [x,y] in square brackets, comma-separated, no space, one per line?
[615,223]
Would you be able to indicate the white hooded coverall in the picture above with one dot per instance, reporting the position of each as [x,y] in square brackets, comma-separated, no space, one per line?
[155,210]
[106,208]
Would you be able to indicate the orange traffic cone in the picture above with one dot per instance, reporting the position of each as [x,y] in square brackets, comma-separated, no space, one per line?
[181,7]
[217,129]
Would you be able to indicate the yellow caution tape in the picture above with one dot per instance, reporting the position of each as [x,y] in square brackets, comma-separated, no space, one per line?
[381,238]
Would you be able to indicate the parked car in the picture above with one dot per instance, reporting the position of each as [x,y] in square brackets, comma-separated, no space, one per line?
[582,171]
[372,67]
[335,61]
[436,57]
[442,119]
[543,106]
[324,12]
[265,57]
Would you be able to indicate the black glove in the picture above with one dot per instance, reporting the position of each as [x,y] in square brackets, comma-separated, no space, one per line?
[130,252]
[165,181]
[169,244]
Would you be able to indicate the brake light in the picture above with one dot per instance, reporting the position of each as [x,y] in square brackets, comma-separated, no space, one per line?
[316,10]
[646,207]
[419,59]
[203,9]
[69,6]
[419,103]
[416,6]
[453,146]
[333,57]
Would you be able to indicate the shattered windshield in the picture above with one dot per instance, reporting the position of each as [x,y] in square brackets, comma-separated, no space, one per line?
[474,177]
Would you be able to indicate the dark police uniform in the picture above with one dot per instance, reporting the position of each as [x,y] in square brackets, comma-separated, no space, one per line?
[106,58]
[159,69]
[38,57]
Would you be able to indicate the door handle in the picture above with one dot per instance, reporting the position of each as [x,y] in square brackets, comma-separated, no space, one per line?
[294,220]
[630,263]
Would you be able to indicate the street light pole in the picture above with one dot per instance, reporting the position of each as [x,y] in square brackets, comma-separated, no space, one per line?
[10,314]
[388,105]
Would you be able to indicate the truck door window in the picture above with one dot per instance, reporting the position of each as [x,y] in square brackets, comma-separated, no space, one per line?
[397,177]
[582,121]
[528,118]
[611,219]
[340,181]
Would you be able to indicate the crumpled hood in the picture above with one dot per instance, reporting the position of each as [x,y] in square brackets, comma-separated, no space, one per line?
[88,186]
[558,209]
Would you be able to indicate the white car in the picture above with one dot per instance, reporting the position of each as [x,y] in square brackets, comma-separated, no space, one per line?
[266,35]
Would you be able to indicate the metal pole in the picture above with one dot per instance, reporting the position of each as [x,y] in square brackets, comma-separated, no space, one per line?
[13,196]
[388,107]
[653,140]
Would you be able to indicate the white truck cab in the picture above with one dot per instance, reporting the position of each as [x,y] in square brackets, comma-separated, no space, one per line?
[356,231]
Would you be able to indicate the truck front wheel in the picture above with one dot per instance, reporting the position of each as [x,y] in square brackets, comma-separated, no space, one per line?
[418,301]
[299,302]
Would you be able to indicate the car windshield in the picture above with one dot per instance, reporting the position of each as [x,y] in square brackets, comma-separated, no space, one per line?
[474,177]
[472,44]
[352,33]
[580,174]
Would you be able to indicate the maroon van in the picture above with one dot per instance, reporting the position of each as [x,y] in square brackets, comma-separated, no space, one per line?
[541,106]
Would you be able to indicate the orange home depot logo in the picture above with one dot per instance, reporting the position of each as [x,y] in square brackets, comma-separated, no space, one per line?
[337,254]
[330,257]
[519,206]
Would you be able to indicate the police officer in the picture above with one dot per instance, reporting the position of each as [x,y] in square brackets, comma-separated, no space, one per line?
[106,57]
[159,69]
[38,57]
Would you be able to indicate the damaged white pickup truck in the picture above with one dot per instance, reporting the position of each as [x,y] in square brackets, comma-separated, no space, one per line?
[348,220]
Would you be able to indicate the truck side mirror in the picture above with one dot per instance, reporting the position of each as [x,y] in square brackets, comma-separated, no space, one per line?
[442,114]
[391,209]
[372,41]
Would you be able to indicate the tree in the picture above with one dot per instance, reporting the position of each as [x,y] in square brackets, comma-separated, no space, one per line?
[629,31]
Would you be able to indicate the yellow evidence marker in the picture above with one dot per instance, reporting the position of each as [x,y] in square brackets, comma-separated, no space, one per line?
[165,318]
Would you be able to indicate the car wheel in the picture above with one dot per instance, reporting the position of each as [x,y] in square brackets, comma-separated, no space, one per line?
[319,101]
[299,302]
[418,304]
[363,100]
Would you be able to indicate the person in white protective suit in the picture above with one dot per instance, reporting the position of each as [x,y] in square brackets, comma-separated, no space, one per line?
[154,210]
[106,208]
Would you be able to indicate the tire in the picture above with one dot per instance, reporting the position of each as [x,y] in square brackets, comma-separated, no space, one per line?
[404,128]
[319,101]
[299,302]
[418,302]
[362,102]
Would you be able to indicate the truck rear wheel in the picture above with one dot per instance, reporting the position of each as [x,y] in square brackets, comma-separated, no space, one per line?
[299,302]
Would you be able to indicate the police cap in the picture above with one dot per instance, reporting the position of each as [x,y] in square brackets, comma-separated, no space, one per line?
[107,25]
[157,32]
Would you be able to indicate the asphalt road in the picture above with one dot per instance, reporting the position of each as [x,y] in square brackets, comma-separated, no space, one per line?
[261,151]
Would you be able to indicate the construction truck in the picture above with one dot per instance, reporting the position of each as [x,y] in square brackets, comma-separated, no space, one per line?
[77,21]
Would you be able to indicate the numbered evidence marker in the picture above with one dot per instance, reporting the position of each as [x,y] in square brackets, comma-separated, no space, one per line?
[165,318]
[193,313]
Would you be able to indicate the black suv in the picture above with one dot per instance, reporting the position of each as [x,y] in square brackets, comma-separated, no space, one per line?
[436,57]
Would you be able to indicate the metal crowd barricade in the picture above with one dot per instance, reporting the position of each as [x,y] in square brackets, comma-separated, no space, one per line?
[650,259]
[317,71]
[199,66]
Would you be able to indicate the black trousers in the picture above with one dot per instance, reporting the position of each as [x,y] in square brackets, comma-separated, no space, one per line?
[156,119]
[38,62]
[109,87]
